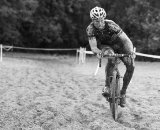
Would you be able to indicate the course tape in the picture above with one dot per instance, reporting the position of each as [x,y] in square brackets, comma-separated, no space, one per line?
[147,55]
[40,49]
[70,49]
[137,53]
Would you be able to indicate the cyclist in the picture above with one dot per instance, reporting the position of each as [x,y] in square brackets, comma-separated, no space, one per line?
[102,32]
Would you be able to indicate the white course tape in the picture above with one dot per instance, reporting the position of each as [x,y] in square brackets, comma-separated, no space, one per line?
[7,48]
[42,49]
[137,53]
[147,55]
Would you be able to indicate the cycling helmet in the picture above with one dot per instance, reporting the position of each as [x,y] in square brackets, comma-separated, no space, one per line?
[97,13]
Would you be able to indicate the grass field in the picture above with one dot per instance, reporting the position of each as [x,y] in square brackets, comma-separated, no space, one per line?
[44,92]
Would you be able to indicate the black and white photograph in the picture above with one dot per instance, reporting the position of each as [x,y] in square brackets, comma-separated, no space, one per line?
[79,65]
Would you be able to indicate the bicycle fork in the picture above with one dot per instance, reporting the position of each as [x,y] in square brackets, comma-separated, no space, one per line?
[117,93]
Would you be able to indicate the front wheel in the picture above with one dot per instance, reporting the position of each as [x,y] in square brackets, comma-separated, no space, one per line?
[114,95]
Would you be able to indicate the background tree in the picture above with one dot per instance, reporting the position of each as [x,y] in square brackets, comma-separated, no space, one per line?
[62,23]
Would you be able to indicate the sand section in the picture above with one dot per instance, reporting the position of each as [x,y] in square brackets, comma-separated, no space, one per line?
[40,92]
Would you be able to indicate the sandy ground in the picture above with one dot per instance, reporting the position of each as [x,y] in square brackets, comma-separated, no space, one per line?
[39,92]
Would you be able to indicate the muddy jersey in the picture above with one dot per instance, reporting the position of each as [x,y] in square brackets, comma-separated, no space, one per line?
[106,35]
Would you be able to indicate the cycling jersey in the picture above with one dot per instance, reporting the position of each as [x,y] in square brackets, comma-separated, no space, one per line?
[106,35]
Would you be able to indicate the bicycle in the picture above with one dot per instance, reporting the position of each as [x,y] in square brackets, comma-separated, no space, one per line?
[114,86]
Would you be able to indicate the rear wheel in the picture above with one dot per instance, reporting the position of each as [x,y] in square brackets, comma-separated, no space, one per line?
[115,94]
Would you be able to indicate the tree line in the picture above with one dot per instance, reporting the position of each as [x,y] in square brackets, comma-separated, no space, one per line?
[62,23]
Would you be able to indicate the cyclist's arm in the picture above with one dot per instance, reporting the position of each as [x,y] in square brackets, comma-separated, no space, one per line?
[93,45]
[92,39]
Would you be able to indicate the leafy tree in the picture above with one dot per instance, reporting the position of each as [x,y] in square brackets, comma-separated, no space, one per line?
[144,21]
[62,23]
[12,12]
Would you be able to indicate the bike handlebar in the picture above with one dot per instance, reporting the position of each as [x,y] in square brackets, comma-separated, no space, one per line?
[112,55]
[101,55]
[116,55]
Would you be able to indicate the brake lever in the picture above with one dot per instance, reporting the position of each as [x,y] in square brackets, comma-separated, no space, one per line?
[100,59]
[100,62]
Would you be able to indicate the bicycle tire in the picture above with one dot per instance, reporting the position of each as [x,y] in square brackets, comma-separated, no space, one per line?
[115,94]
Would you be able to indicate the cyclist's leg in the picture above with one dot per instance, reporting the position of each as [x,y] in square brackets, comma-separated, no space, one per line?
[128,61]
[126,48]
[110,67]
[130,65]
[110,64]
